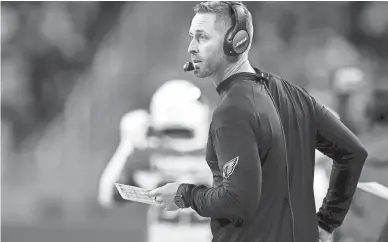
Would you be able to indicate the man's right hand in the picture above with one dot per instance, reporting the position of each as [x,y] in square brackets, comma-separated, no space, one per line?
[325,236]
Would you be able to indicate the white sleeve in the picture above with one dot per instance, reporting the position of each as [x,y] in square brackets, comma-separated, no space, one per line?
[133,130]
[112,173]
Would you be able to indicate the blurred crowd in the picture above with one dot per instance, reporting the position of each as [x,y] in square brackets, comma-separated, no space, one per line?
[71,70]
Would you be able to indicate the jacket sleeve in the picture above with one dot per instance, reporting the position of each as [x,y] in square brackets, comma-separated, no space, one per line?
[336,141]
[236,149]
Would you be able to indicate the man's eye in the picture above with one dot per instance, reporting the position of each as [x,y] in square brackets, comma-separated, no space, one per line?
[202,37]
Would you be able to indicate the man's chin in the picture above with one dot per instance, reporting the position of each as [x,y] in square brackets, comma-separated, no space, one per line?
[200,74]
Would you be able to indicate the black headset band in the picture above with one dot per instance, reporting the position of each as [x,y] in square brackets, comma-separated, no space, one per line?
[238,14]
[238,20]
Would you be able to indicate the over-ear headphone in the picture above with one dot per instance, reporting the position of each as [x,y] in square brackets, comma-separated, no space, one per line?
[237,38]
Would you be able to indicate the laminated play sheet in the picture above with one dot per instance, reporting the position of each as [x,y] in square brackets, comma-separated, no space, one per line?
[135,194]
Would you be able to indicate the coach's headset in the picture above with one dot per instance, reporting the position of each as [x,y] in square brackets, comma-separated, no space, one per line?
[237,38]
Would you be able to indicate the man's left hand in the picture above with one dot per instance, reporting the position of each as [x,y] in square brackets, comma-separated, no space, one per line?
[165,195]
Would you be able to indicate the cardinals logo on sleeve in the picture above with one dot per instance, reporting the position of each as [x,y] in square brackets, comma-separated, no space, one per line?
[229,167]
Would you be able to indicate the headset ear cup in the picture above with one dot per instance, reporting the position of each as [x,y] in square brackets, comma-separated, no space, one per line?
[237,38]
[236,44]
[240,41]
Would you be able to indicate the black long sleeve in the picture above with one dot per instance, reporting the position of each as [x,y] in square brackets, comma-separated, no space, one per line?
[236,149]
[336,141]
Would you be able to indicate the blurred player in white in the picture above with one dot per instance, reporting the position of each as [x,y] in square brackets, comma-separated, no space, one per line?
[166,145]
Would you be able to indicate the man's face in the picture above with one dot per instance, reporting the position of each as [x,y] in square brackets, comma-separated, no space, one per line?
[206,46]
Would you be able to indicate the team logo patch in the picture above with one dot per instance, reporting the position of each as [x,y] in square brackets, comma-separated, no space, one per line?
[229,167]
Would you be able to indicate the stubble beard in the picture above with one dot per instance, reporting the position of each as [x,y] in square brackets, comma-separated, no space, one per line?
[209,69]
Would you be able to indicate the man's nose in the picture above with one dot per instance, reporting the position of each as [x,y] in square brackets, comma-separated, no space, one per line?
[193,47]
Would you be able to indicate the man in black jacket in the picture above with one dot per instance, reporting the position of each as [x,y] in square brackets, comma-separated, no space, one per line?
[262,143]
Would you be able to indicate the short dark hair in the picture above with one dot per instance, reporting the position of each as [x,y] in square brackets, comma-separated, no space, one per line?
[223,14]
